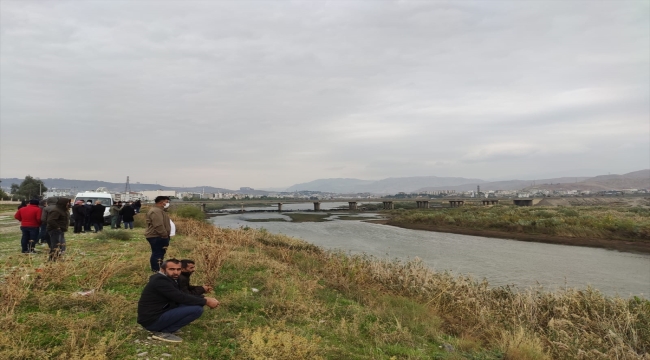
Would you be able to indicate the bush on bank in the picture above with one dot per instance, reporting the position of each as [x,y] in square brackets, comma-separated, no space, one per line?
[189,212]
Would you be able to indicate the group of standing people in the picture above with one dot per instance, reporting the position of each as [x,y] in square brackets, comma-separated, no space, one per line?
[88,214]
[124,213]
[45,221]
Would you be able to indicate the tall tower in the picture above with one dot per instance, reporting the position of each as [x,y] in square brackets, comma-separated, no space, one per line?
[478,190]
[127,188]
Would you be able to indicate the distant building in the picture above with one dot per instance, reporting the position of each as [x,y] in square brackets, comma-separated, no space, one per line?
[150,195]
[57,193]
[130,196]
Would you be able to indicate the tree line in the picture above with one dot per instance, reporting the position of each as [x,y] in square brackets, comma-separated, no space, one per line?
[30,188]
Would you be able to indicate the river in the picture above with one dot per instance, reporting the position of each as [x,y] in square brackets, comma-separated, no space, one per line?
[500,261]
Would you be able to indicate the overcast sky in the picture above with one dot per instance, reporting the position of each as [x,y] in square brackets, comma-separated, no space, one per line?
[272,93]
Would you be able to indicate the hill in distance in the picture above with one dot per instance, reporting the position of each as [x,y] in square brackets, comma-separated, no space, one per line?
[89,185]
[384,186]
[634,180]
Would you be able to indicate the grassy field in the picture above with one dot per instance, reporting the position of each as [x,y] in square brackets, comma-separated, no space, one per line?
[579,222]
[286,299]
[8,208]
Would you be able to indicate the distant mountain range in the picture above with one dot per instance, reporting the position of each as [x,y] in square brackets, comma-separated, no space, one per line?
[84,185]
[506,184]
[384,186]
[634,180]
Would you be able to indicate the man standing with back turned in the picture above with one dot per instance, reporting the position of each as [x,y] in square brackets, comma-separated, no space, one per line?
[164,309]
[158,229]
[30,221]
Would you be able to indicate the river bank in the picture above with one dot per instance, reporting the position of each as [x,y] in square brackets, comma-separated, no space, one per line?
[621,228]
[619,245]
[285,298]
[502,262]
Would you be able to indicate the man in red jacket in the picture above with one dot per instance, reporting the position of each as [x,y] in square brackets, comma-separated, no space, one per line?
[30,221]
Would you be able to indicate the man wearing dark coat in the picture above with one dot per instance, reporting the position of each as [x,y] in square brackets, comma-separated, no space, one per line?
[87,221]
[164,309]
[97,216]
[127,214]
[79,215]
[187,269]
[58,220]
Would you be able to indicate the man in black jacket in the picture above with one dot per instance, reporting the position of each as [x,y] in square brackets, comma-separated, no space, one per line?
[163,308]
[58,220]
[79,214]
[187,269]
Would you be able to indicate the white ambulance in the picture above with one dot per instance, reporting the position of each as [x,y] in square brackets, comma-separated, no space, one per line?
[104,197]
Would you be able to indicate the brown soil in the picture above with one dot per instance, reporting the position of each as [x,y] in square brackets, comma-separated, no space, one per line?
[620,245]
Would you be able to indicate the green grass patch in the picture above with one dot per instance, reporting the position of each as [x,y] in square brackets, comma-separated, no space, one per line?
[580,222]
[116,234]
[190,212]
[8,208]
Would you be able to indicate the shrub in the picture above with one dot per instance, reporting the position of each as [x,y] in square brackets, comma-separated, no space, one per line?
[190,212]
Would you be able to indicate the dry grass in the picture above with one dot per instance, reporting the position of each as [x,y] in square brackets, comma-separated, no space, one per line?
[268,343]
[286,299]
[528,325]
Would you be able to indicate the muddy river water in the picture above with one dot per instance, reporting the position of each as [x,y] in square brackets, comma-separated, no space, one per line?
[500,261]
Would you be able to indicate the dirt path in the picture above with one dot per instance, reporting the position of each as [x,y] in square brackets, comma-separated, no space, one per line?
[620,245]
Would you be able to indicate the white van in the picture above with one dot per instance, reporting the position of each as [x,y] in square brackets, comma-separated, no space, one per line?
[105,198]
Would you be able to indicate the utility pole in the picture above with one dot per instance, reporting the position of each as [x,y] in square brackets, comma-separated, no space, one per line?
[127,190]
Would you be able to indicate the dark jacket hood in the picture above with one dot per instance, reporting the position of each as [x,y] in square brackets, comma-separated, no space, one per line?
[63,203]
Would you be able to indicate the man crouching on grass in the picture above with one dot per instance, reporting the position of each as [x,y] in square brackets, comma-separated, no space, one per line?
[163,309]
[187,269]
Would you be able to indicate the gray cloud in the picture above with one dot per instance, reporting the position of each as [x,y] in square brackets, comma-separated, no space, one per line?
[272,93]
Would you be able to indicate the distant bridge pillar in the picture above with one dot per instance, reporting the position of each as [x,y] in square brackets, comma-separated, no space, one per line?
[388,205]
[456,203]
[352,205]
[425,204]
[523,202]
[316,205]
[279,207]
[203,207]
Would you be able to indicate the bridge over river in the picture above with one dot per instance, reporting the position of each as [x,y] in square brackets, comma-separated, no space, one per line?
[357,205]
